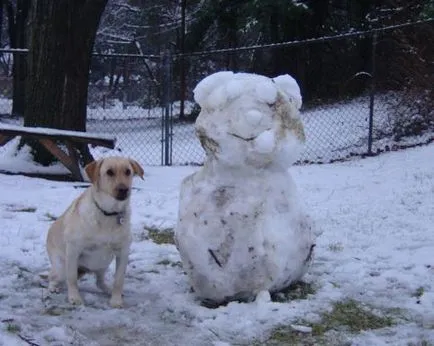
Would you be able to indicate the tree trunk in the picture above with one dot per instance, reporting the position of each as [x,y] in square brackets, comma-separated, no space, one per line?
[62,38]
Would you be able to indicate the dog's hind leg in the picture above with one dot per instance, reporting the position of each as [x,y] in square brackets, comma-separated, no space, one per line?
[54,281]
[55,278]
[100,281]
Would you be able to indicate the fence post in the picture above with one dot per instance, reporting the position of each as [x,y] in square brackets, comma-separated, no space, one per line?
[372,93]
[166,140]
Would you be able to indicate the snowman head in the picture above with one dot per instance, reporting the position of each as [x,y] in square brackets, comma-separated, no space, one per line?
[249,120]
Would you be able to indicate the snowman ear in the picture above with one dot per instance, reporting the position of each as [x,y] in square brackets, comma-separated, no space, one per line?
[289,87]
[206,86]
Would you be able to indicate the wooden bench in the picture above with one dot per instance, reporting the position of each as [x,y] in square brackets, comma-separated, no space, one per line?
[48,137]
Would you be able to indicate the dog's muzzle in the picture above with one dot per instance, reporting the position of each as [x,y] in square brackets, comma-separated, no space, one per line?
[122,192]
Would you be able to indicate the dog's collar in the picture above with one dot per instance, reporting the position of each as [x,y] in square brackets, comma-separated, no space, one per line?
[119,214]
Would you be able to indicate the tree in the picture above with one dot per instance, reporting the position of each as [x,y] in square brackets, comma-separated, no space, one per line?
[62,37]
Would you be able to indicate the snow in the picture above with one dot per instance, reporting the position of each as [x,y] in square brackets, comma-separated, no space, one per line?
[266,92]
[14,162]
[53,132]
[8,339]
[376,216]
[209,84]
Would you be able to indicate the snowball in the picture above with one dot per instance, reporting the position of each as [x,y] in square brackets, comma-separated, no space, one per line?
[290,88]
[57,334]
[265,142]
[263,297]
[234,89]
[208,84]
[302,329]
[217,99]
[220,343]
[266,92]
[254,117]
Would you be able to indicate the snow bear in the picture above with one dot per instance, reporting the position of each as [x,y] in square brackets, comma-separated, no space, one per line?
[241,229]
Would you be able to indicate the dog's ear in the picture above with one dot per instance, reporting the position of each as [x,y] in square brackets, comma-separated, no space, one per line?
[92,170]
[138,170]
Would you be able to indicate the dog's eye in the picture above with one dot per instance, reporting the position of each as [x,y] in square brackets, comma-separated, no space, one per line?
[128,172]
[110,172]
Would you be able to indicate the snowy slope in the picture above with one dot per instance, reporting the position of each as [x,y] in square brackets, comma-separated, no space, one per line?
[377,216]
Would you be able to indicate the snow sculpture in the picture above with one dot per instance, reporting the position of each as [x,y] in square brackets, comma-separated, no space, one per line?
[241,229]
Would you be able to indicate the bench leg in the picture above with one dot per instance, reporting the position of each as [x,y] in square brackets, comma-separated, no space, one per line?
[4,139]
[69,162]
[72,152]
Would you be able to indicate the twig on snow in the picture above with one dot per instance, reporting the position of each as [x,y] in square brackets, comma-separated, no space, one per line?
[30,342]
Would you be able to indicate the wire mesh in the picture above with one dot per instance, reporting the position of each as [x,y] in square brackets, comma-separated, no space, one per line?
[125,100]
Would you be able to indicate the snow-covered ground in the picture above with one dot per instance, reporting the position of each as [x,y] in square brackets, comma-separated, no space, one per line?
[377,247]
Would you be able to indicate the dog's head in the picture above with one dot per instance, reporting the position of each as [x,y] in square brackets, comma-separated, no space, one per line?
[114,175]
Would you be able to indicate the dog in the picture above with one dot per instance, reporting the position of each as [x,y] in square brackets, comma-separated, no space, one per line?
[94,230]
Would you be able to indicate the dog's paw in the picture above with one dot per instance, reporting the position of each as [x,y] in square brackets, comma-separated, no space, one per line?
[75,300]
[104,288]
[53,289]
[116,302]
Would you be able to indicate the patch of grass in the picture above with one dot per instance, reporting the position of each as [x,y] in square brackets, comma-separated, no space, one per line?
[421,343]
[352,316]
[54,311]
[347,315]
[297,290]
[167,262]
[419,292]
[289,336]
[153,271]
[13,328]
[50,217]
[164,262]
[336,247]
[17,209]
[177,264]
[57,310]
[164,236]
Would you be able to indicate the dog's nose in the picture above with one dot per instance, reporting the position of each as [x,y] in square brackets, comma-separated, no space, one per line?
[122,192]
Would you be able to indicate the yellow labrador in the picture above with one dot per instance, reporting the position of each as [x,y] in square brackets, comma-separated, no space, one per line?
[94,230]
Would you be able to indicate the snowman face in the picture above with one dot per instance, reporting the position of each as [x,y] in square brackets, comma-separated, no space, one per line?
[252,124]
[229,134]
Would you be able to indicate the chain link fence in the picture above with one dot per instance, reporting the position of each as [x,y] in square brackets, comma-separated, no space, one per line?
[125,100]
[365,103]
[364,92]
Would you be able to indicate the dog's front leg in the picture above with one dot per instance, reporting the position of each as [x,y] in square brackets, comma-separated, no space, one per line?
[72,254]
[116,300]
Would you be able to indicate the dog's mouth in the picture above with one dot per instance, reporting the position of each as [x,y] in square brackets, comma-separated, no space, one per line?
[122,197]
[122,194]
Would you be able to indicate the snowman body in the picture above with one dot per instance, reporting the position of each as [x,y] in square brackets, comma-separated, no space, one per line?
[241,229]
